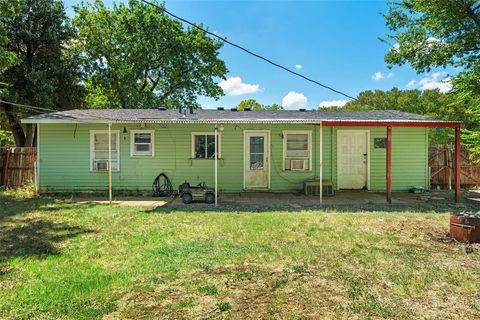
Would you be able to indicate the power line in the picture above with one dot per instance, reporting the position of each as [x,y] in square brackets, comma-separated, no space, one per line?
[248,51]
[26,106]
[43,109]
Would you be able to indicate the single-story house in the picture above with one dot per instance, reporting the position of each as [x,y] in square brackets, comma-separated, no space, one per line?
[257,150]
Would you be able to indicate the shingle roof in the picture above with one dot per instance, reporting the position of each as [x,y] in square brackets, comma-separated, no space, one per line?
[223,116]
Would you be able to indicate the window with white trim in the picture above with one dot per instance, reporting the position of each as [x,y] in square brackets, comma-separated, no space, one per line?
[99,150]
[297,150]
[142,143]
[203,145]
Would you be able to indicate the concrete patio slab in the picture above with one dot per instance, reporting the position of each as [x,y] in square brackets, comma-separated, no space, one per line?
[144,202]
[258,200]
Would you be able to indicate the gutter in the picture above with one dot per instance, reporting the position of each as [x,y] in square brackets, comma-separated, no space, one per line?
[326,122]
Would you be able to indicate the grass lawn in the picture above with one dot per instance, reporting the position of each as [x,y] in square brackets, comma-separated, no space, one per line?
[67,261]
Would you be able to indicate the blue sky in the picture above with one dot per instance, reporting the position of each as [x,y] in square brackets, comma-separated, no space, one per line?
[333,42]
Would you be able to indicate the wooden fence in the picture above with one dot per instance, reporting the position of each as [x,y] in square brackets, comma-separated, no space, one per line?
[17,166]
[441,160]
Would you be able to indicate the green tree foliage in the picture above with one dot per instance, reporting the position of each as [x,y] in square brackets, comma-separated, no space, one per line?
[428,34]
[6,138]
[249,103]
[255,105]
[438,33]
[135,56]
[7,57]
[273,107]
[42,71]
[431,103]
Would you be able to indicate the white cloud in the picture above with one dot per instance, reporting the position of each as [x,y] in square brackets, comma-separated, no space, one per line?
[294,100]
[411,84]
[234,86]
[333,103]
[380,76]
[298,66]
[437,80]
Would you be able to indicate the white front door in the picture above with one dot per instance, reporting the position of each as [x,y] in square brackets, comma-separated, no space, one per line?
[256,159]
[352,162]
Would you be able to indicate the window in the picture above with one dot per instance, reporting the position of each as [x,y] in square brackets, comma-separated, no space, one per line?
[380,143]
[297,150]
[99,150]
[142,143]
[203,145]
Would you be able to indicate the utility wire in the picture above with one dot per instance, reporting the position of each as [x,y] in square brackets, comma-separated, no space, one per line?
[28,106]
[43,109]
[248,51]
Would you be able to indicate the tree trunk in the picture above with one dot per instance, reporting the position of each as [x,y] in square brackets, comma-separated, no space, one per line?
[14,125]
[30,135]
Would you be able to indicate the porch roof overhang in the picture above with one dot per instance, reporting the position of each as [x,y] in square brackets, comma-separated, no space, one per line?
[327,118]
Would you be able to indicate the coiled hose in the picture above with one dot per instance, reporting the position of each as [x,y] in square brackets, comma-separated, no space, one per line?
[162,186]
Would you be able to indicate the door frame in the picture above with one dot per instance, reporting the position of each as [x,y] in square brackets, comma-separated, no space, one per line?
[268,132]
[368,153]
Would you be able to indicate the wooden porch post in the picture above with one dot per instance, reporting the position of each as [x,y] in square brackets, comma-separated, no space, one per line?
[389,164]
[110,163]
[320,163]
[216,166]
[458,161]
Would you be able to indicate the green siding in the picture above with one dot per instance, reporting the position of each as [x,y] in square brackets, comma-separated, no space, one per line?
[65,158]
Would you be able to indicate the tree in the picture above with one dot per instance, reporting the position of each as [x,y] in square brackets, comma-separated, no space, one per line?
[273,107]
[428,34]
[431,103]
[249,103]
[137,57]
[434,33]
[41,71]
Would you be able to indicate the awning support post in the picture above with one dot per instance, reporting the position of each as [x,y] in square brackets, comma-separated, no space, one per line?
[458,163]
[389,164]
[216,166]
[320,163]
[110,163]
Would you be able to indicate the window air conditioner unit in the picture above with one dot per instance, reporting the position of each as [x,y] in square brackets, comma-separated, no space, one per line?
[298,165]
[100,165]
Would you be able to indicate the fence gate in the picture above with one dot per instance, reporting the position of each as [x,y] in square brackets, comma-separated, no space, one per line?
[17,165]
[440,161]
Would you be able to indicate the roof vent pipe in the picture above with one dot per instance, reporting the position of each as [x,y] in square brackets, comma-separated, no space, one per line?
[302,109]
[220,108]
[247,109]
[191,109]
